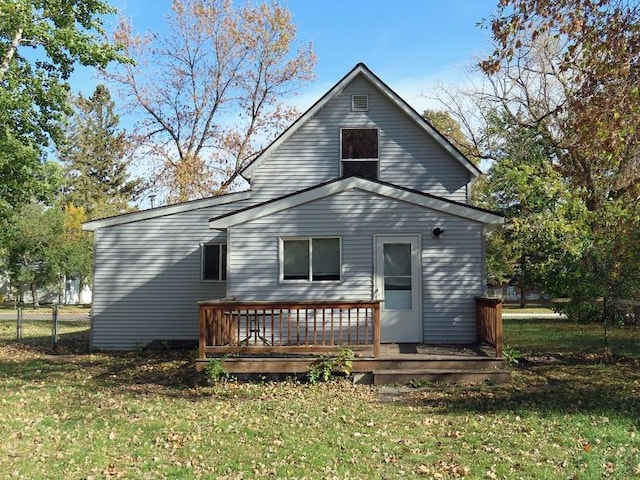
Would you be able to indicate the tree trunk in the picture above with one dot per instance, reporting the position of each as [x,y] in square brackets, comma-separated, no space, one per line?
[62,289]
[10,52]
[34,295]
[605,321]
[523,290]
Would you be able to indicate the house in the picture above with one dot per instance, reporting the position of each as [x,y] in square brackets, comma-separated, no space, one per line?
[360,200]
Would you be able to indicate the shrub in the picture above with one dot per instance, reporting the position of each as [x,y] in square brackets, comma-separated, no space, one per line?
[328,366]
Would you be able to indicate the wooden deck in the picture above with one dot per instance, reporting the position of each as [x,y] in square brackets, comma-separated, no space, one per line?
[286,338]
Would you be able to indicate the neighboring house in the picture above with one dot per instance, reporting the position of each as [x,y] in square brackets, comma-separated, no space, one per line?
[72,293]
[359,199]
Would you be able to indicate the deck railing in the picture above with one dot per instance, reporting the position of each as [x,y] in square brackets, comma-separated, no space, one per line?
[489,322]
[254,327]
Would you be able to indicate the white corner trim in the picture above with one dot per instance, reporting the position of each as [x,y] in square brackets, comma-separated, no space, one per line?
[93,225]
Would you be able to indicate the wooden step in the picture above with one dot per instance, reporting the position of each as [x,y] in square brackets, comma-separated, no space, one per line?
[403,377]
[430,363]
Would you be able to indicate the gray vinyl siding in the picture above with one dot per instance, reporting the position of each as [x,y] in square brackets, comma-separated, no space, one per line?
[147,279]
[452,265]
[408,156]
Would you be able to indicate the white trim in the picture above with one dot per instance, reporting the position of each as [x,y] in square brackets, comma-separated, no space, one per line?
[379,240]
[363,70]
[344,184]
[165,210]
[310,240]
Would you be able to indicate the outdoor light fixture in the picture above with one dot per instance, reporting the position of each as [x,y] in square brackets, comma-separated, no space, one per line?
[438,231]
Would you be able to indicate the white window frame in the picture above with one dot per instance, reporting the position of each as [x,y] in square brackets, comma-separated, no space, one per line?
[309,278]
[375,159]
[220,271]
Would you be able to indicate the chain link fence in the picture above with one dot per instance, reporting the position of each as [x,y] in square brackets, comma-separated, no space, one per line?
[51,327]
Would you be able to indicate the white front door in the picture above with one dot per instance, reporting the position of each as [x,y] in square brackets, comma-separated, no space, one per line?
[397,284]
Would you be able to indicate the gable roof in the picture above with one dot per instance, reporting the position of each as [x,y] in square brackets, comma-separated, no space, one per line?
[165,210]
[362,69]
[333,187]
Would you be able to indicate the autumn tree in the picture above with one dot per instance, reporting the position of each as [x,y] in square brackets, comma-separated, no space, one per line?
[569,70]
[450,128]
[96,156]
[41,42]
[209,90]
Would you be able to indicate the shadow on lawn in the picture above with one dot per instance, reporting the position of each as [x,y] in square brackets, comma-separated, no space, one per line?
[568,385]
[591,383]
[160,370]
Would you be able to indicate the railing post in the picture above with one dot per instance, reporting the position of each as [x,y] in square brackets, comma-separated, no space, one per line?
[489,322]
[498,328]
[376,329]
[202,337]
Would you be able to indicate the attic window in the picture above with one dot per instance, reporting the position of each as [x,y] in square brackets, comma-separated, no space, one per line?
[360,103]
[359,152]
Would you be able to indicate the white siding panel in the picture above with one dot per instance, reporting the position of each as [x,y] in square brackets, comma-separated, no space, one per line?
[408,156]
[452,265]
[147,279]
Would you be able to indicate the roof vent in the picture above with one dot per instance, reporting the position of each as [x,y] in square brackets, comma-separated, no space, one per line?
[360,103]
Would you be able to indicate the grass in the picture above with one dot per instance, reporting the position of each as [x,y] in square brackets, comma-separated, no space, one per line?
[564,337]
[144,415]
[45,309]
[531,307]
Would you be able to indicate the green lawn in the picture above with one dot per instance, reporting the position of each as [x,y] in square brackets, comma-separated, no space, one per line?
[150,415]
[564,337]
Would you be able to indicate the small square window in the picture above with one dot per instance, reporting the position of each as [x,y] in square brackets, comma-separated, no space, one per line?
[214,262]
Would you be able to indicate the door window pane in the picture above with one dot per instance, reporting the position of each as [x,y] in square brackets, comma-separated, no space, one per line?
[397,259]
[397,276]
[296,259]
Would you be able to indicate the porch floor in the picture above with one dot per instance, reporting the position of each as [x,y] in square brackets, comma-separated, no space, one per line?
[428,350]
[398,363]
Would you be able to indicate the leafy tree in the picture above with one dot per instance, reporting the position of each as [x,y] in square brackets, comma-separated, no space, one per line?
[545,222]
[571,69]
[59,33]
[566,73]
[95,158]
[32,240]
[449,126]
[209,88]
[41,41]
[77,246]
[44,245]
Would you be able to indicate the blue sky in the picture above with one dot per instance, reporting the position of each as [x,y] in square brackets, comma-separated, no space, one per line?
[413,45]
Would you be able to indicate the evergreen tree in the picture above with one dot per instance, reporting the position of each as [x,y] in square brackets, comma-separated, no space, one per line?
[95,158]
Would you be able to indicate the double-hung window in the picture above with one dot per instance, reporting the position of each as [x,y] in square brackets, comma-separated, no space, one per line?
[310,259]
[359,152]
[214,261]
